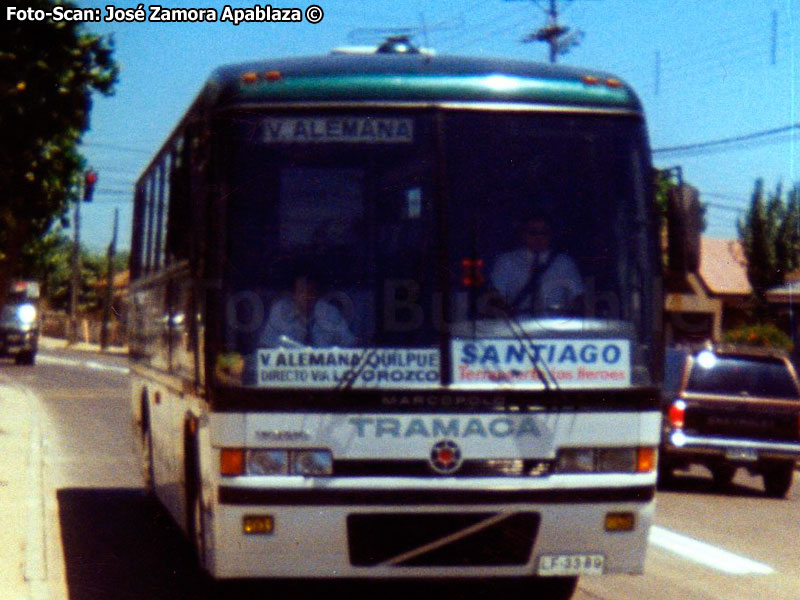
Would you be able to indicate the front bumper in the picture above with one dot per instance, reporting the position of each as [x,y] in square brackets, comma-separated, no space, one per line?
[372,533]
[686,446]
[13,342]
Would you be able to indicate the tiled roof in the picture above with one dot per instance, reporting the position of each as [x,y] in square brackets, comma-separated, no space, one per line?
[723,267]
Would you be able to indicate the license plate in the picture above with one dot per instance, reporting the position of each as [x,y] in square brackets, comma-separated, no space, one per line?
[571,564]
[747,454]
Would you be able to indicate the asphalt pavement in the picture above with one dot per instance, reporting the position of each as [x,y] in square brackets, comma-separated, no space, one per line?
[23,566]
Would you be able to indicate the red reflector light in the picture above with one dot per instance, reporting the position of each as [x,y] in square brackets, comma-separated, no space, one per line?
[472,272]
[231,462]
[677,413]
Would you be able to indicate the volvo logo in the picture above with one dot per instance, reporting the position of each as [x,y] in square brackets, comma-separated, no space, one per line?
[445,457]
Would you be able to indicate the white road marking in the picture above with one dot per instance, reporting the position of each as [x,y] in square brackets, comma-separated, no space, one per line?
[706,554]
[87,364]
[695,550]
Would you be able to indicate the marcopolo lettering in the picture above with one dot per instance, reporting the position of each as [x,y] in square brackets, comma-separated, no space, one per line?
[438,401]
[497,427]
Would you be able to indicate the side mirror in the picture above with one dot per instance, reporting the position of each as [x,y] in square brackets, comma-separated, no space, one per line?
[684,223]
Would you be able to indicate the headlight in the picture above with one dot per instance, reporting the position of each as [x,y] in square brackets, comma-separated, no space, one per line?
[616,460]
[26,313]
[575,460]
[267,462]
[606,460]
[308,463]
[312,463]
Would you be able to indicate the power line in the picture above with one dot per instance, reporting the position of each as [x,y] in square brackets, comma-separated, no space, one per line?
[116,147]
[726,141]
[720,206]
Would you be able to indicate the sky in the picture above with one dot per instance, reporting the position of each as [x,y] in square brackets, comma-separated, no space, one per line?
[706,71]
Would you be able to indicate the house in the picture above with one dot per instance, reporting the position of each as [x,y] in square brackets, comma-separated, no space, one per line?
[714,299]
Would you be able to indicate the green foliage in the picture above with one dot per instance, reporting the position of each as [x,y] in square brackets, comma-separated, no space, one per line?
[765,335]
[770,236]
[48,260]
[47,74]
[663,182]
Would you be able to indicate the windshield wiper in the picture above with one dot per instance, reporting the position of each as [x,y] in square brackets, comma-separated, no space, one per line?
[353,374]
[543,372]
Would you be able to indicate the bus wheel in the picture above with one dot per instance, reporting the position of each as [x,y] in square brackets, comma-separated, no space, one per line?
[195,516]
[198,530]
[148,473]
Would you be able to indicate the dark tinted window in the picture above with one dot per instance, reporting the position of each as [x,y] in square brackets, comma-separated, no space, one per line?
[673,372]
[742,375]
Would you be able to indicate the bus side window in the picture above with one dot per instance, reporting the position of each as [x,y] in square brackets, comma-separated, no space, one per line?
[183,333]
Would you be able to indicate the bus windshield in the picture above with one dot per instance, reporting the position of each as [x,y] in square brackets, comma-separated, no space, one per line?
[361,245]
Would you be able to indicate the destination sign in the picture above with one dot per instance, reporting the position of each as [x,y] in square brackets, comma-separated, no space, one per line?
[328,130]
[394,368]
[536,364]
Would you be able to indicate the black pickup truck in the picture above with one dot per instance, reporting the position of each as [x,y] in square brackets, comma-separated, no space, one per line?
[20,324]
[731,407]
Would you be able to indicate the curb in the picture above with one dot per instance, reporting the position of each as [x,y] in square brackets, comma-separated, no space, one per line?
[22,506]
[50,343]
[35,569]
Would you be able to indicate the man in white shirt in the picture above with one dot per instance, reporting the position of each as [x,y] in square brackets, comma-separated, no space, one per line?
[301,318]
[535,279]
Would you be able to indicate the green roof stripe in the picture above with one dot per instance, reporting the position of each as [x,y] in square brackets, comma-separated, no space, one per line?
[436,87]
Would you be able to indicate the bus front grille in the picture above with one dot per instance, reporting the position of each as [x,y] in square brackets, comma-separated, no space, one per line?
[422,468]
[441,539]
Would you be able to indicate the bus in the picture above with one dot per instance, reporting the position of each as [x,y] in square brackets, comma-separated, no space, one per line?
[330,378]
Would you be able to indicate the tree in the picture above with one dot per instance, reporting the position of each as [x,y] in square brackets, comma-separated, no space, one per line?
[788,242]
[770,236]
[48,71]
[49,261]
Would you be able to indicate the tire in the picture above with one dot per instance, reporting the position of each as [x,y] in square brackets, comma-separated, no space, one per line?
[723,474]
[666,476]
[778,479]
[197,528]
[25,358]
[195,516]
[148,472]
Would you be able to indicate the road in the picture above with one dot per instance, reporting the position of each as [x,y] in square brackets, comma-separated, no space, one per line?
[104,541]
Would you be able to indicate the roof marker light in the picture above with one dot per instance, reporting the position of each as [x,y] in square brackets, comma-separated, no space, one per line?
[613,83]
[590,80]
[249,77]
[272,76]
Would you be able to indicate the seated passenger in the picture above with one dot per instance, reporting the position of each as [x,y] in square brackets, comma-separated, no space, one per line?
[534,278]
[301,318]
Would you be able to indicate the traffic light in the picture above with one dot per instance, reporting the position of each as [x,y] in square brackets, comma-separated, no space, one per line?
[89,180]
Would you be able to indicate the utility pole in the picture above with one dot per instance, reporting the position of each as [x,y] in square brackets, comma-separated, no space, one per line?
[109,299]
[76,274]
[89,181]
[559,37]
